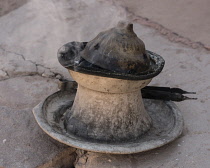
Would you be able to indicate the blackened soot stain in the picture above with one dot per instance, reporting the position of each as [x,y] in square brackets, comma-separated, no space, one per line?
[96,46]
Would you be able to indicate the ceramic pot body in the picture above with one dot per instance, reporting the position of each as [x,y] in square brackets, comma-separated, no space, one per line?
[107,109]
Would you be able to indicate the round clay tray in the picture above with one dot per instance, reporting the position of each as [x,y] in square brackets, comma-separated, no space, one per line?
[166,118]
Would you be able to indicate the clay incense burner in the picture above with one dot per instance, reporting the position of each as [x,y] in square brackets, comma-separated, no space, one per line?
[106,113]
[107,108]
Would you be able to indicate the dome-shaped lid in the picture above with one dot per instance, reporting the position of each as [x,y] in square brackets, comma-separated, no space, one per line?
[118,49]
[115,53]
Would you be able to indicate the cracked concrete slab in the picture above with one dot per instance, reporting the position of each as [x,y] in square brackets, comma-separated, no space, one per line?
[23,144]
[14,64]
[30,38]
[189,18]
[38,28]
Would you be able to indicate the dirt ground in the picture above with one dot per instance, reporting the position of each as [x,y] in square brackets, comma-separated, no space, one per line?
[29,71]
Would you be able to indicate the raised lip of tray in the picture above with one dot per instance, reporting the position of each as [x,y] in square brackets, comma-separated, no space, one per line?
[121,148]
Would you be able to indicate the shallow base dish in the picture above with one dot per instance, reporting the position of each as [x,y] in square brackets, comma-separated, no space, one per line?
[167,125]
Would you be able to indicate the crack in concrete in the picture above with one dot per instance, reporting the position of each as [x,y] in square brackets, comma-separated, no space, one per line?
[52,73]
[5,76]
[170,35]
[16,76]
[5,72]
[81,157]
[63,159]
[12,52]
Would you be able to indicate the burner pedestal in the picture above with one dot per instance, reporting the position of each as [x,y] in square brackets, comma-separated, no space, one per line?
[107,109]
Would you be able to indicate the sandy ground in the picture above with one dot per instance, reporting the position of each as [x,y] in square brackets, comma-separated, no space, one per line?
[29,71]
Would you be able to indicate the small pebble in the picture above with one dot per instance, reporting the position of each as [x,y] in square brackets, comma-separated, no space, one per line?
[58,77]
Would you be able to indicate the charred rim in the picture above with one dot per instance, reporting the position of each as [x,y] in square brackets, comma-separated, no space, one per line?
[156,65]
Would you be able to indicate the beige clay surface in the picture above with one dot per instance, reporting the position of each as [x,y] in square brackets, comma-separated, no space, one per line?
[108,108]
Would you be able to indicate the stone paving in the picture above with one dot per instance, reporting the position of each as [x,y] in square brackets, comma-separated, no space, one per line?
[29,72]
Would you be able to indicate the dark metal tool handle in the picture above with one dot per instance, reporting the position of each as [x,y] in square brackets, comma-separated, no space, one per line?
[165,93]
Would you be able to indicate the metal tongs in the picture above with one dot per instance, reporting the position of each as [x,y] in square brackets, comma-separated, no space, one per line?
[165,93]
[148,92]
